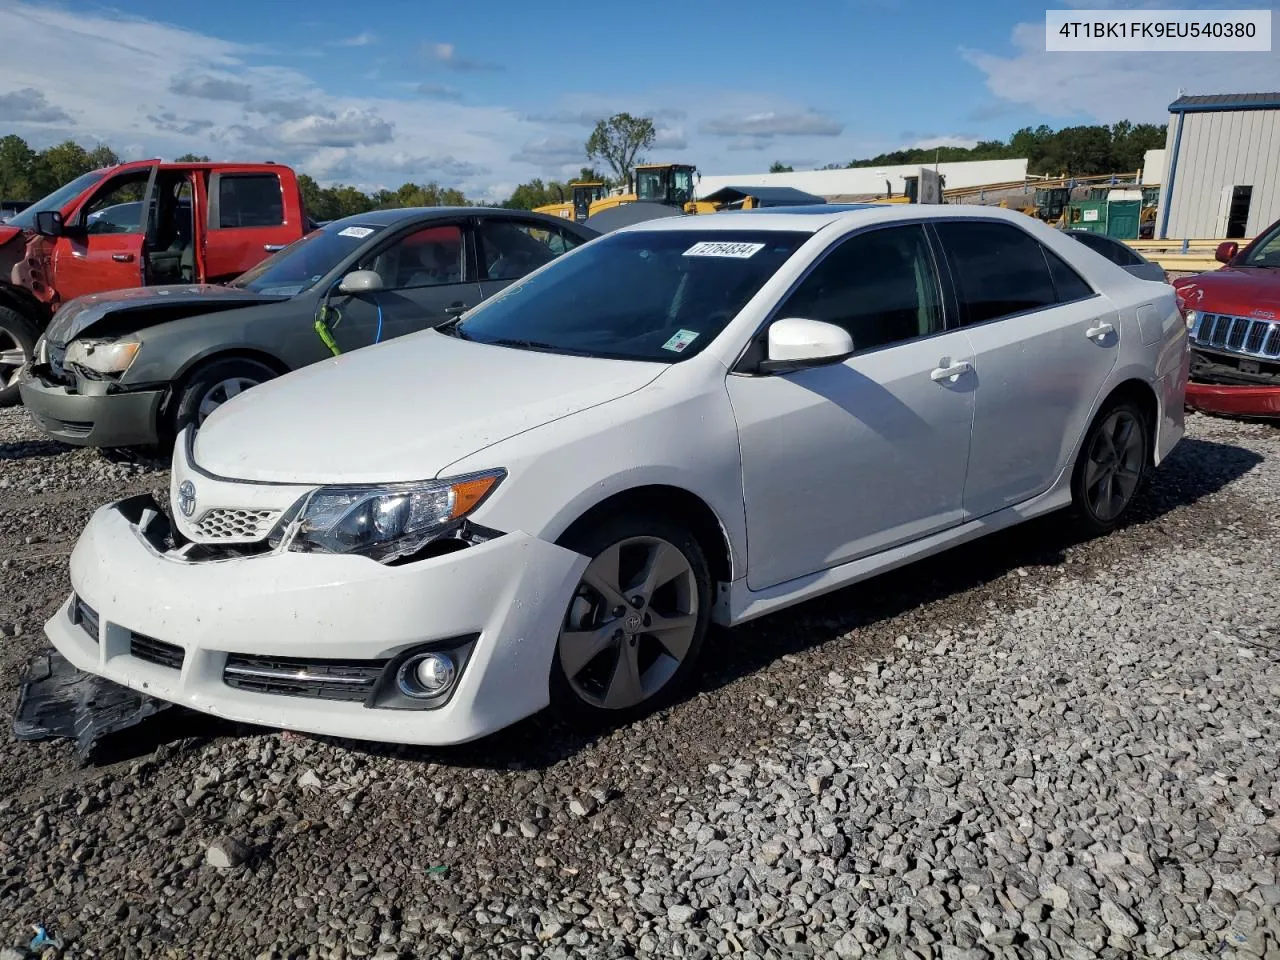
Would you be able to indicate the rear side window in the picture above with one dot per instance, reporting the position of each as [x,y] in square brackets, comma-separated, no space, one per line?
[1114,251]
[1069,285]
[249,200]
[998,270]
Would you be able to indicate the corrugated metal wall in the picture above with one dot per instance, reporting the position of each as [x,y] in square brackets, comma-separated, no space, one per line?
[1220,150]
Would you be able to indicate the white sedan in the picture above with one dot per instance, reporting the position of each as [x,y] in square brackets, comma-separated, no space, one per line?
[692,420]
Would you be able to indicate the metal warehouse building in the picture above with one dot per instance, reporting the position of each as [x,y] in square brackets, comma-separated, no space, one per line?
[1223,176]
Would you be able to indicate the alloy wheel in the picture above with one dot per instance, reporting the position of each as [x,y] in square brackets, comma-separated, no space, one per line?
[12,358]
[1114,465]
[220,393]
[631,623]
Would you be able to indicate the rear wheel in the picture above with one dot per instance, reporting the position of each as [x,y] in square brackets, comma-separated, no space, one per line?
[17,345]
[631,635]
[1112,465]
[213,385]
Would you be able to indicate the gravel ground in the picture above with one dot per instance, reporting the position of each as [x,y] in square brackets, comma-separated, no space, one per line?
[1029,747]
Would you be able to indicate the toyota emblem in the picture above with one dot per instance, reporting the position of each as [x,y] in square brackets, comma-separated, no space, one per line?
[187,498]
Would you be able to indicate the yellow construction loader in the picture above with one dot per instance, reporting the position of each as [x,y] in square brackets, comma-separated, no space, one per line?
[582,195]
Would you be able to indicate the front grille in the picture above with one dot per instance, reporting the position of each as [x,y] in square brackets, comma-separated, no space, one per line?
[86,617]
[155,651]
[349,680]
[1245,336]
[236,525]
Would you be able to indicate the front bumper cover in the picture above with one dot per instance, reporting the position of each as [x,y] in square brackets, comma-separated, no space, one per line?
[92,415]
[510,592]
[1234,400]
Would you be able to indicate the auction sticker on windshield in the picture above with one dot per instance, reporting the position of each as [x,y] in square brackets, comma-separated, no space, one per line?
[358,232]
[680,339]
[723,248]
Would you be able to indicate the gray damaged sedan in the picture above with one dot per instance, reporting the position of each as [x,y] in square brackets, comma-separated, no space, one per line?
[130,368]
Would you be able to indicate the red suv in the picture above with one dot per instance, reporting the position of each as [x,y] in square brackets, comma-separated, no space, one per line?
[1234,314]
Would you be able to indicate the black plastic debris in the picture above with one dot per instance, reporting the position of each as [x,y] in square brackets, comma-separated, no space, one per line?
[57,700]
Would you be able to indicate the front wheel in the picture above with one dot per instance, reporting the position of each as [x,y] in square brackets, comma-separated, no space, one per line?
[17,345]
[634,627]
[1113,462]
[213,385]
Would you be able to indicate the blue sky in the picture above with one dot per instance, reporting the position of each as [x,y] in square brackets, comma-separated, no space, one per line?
[483,96]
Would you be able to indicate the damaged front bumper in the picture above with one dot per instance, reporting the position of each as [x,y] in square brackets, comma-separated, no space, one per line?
[311,642]
[1234,386]
[90,413]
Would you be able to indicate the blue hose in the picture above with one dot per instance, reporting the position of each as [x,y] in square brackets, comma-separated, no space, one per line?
[378,336]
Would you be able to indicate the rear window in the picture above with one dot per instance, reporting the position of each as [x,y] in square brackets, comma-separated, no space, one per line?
[249,200]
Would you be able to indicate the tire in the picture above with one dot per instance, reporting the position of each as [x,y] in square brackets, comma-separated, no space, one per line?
[588,685]
[207,384]
[1116,451]
[18,338]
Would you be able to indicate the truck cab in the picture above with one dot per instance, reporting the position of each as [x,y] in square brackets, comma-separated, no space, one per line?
[137,224]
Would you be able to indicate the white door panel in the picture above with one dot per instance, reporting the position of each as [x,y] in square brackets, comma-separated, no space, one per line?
[1040,374]
[849,459]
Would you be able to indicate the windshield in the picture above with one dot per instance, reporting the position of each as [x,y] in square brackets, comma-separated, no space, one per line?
[682,186]
[56,200]
[303,263]
[657,295]
[1267,251]
[649,185]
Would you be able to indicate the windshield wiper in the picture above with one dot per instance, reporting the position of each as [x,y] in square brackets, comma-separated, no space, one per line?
[539,345]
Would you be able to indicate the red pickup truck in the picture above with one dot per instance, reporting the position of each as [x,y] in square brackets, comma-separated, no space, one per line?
[1234,313]
[137,224]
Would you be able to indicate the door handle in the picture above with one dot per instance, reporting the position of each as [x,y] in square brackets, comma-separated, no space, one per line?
[945,370]
[122,257]
[272,247]
[1100,331]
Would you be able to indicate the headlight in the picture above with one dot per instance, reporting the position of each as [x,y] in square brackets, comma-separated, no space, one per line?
[386,522]
[1193,316]
[42,349]
[103,356]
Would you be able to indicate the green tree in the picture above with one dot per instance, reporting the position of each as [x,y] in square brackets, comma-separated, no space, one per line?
[102,156]
[192,158]
[779,167]
[618,141]
[17,169]
[537,193]
[59,164]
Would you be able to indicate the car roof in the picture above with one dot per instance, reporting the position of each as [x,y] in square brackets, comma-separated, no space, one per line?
[811,219]
[396,215]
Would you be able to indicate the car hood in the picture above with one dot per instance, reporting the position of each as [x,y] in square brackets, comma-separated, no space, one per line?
[402,410]
[1243,291]
[7,233]
[78,315]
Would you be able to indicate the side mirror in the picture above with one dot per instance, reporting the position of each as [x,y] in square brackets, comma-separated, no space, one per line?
[1226,251]
[361,281]
[49,223]
[796,344]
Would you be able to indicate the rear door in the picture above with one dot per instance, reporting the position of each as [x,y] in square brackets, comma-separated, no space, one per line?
[104,245]
[246,222]
[428,275]
[1044,342]
[507,248]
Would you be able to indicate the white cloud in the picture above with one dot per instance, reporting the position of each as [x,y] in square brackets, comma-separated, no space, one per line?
[552,152]
[31,106]
[359,40]
[349,129]
[946,140]
[438,91]
[205,87]
[774,123]
[446,54]
[1114,86]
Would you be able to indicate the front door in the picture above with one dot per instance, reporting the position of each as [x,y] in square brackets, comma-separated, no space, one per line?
[104,245]
[1044,343]
[846,460]
[427,279]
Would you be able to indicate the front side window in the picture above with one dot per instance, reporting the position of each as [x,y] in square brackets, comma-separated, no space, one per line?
[649,186]
[430,257]
[26,219]
[682,186]
[998,269]
[657,295]
[249,200]
[117,207]
[510,250]
[1266,253]
[881,286]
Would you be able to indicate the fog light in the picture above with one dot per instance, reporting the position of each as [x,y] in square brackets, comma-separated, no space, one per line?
[426,675]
